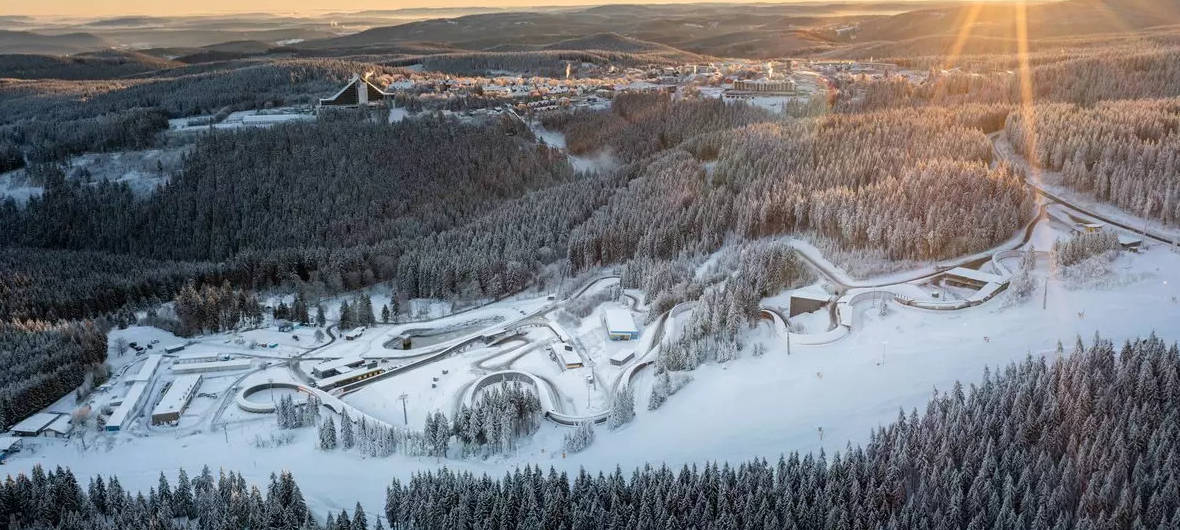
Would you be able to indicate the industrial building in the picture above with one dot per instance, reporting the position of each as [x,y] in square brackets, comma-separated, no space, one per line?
[212,366]
[176,399]
[619,324]
[202,358]
[352,376]
[566,356]
[128,407]
[145,373]
[36,425]
[336,366]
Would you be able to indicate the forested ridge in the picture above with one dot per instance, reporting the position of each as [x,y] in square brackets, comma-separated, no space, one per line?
[45,361]
[1087,439]
[51,119]
[1123,152]
[914,183]
[639,125]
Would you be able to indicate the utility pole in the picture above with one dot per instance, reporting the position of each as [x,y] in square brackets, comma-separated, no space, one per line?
[1045,298]
[405,416]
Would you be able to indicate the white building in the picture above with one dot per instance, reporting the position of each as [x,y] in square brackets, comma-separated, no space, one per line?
[212,366]
[619,324]
[336,366]
[126,409]
[35,425]
[147,371]
[176,399]
[566,356]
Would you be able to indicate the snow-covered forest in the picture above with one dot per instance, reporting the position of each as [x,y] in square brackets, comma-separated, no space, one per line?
[1121,152]
[1085,439]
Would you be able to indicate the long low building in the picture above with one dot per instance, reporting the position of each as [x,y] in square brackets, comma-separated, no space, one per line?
[336,366]
[212,366]
[972,278]
[35,425]
[145,373]
[126,410]
[176,399]
[352,376]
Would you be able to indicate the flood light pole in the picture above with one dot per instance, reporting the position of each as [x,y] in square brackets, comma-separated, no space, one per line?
[405,416]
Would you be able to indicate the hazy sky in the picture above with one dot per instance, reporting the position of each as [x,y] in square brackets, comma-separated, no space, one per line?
[90,8]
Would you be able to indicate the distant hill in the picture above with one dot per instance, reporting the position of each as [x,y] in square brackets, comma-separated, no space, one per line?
[612,42]
[107,64]
[36,43]
[1047,20]
[706,29]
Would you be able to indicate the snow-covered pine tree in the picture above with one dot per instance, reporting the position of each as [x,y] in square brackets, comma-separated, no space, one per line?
[327,434]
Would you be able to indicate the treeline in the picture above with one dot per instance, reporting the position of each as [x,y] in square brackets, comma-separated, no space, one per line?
[729,303]
[1083,245]
[333,184]
[639,125]
[212,309]
[48,141]
[1076,76]
[43,362]
[441,208]
[500,416]
[546,63]
[1087,440]
[44,284]
[1121,152]
[49,120]
[1013,452]
[915,184]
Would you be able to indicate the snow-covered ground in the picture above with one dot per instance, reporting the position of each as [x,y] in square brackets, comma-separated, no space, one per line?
[142,171]
[824,396]
[599,161]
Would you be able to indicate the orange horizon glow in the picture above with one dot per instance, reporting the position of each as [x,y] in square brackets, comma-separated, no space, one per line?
[116,8]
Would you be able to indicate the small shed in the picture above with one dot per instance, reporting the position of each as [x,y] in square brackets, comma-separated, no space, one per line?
[623,357]
[807,302]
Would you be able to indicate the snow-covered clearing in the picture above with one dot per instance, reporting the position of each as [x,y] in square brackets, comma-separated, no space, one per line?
[142,171]
[598,161]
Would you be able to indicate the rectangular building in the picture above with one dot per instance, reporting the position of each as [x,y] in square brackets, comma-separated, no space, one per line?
[35,425]
[212,366]
[566,356]
[176,399]
[129,407]
[619,324]
[347,378]
[336,366]
[148,370]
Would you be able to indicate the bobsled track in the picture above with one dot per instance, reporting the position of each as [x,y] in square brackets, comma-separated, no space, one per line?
[509,340]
